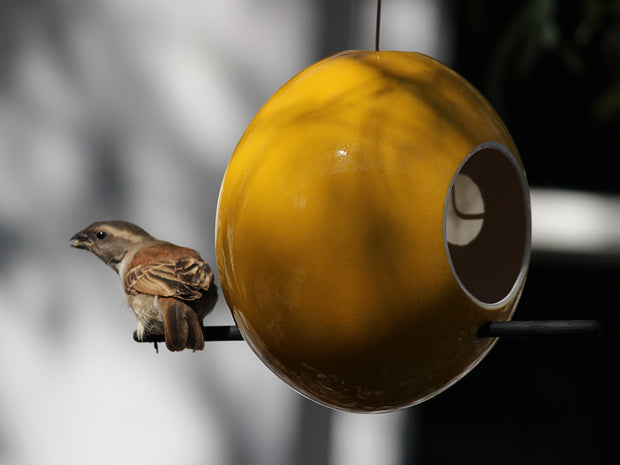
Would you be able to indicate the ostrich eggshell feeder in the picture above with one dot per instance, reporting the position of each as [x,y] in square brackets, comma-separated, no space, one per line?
[373,216]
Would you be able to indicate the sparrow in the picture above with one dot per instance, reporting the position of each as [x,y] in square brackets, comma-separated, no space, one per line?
[169,288]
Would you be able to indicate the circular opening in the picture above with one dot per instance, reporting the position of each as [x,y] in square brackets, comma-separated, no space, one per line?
[486,224]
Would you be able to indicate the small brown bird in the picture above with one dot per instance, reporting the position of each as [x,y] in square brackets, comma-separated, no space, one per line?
[170,288]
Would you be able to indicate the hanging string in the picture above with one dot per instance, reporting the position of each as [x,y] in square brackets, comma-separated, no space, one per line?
[378,28]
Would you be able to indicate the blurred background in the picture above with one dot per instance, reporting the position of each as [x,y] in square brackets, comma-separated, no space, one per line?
[130,109]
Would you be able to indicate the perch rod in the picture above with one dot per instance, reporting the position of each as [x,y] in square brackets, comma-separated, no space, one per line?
[547,328]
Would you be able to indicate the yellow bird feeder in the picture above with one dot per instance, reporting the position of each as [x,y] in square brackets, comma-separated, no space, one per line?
[374,215]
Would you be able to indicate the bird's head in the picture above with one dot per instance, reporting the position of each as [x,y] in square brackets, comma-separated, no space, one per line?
[110,240]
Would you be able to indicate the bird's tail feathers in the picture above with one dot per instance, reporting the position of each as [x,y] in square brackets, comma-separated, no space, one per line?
[182,328]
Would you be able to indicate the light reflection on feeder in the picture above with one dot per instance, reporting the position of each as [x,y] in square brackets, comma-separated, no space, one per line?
[464,211]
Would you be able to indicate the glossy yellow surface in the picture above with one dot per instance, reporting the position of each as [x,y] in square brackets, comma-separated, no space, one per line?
[329,233]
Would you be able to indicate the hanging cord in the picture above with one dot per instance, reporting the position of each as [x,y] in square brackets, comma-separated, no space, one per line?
[378,29]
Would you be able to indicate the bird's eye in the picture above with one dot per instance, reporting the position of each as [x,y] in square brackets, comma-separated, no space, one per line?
[101,235]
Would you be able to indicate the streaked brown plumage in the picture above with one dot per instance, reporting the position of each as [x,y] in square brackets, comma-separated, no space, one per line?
[170,288]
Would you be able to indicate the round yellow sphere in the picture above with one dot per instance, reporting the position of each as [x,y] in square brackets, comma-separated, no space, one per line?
[373,216]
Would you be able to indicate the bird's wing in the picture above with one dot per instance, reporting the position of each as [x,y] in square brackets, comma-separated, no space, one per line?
[184,278]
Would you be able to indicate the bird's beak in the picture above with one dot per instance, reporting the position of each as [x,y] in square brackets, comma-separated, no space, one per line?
[81,241]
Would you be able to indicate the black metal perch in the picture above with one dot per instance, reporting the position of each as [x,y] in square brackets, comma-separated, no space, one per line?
[211,333]
[548,328]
